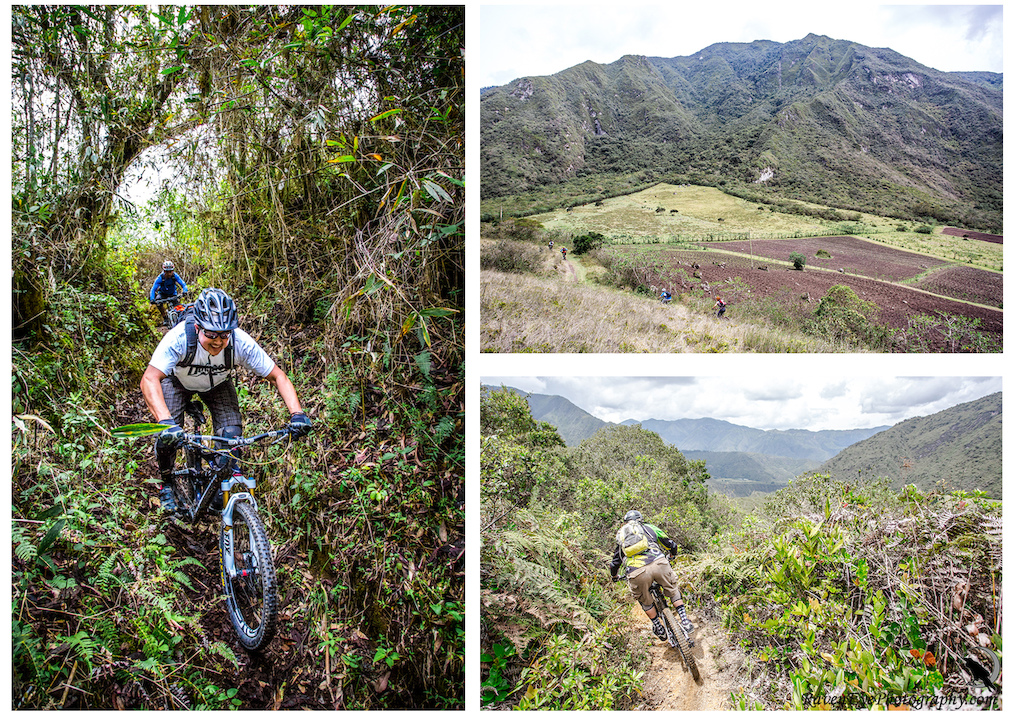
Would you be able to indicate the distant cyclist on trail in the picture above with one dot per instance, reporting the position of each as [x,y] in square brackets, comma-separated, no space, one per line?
[665,297]
[721,306]
[551,245]
[637,545]
[564,251]
[166,286]
[199,358]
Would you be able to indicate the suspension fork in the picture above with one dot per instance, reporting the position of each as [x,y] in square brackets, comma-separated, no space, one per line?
[227,540]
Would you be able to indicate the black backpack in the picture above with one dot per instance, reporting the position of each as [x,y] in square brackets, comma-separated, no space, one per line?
[192,340]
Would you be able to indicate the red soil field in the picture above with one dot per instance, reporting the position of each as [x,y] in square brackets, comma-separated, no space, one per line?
[852,255]
[804,288]
[972,234]
[970,284]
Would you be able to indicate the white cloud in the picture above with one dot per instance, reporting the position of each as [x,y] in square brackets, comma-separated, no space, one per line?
[840,402]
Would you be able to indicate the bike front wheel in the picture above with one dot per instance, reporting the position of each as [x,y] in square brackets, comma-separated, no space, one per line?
[252,591]
[682,644]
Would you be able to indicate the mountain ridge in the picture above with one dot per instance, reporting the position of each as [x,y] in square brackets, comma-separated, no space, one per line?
[816,119]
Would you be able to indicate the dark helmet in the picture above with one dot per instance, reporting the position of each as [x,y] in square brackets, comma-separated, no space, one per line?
[215,311]
[633,515]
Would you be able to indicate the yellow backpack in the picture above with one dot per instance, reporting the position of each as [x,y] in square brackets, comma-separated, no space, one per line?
[632,538]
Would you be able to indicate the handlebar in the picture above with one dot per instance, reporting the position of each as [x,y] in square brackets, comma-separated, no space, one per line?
[235,442]
[166,300]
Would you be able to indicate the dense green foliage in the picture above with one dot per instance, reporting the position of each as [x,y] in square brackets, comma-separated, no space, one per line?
[316,159]
[826,121]
[842,594]
[854,597]
[548,518]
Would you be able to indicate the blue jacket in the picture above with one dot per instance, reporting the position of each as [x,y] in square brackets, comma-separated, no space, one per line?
[167,287]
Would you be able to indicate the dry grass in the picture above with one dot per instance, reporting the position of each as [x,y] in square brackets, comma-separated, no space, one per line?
[561,314]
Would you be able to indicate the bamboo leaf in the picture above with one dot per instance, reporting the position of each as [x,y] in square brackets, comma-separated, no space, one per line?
[130,431]
[385,115]
[436,191]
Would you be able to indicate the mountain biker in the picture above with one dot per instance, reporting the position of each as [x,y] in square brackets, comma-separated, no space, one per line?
[646,563]
[166,284]
[665,297]
[721,306]
[563,253]
[218,345]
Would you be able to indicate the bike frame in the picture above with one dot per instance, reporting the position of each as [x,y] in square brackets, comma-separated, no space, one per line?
[213,475]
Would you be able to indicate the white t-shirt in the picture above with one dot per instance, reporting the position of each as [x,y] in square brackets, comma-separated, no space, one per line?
[206,372]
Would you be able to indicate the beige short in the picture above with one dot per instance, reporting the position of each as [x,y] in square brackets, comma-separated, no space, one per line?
[640,582]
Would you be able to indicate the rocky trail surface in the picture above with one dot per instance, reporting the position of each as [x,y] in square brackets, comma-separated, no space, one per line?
[668,684]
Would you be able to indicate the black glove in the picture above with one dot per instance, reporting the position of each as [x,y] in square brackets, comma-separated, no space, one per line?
[173,434]
[299,425]
[674,552]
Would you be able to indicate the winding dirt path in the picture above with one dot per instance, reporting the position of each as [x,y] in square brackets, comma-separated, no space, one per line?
[669,686]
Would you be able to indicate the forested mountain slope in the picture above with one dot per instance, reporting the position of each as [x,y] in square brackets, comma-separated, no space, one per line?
[958,448]
[313,167]
[822,120]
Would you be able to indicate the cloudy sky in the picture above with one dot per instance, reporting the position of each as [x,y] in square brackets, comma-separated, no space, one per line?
[804,402]
[526,39]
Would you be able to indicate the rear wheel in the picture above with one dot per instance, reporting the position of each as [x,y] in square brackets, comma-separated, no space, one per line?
[682,644]
[252,592]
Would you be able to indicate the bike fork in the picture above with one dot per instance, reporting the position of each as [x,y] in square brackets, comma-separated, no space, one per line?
[227,541]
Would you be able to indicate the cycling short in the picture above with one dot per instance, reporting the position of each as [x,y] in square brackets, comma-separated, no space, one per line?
[639,581]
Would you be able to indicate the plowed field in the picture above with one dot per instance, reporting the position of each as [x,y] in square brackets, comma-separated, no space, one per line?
[971,234]
[970,284]
[850,254]
[737,279]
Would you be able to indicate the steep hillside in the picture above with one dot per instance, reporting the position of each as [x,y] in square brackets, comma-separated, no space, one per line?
[573,424]
[960,446]
[823,120]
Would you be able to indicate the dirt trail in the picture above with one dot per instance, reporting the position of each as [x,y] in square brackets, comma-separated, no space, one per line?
[566,269]
[668,685]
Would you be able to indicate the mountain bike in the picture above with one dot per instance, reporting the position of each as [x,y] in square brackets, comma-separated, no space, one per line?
[246,562]
[173,310]
[677,636]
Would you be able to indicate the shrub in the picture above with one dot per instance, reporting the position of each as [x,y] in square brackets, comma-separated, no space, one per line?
[842,316]
[582,244]
[510,256]
[798,259]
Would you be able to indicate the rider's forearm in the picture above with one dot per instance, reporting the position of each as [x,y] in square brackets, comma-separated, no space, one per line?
[153,393]
[285,389]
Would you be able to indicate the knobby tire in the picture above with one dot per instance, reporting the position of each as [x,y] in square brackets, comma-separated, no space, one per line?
[682,644]
[251,599]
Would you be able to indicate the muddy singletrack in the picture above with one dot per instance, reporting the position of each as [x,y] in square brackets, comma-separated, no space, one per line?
[668,685]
